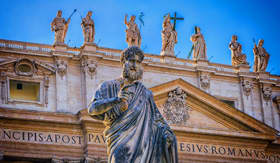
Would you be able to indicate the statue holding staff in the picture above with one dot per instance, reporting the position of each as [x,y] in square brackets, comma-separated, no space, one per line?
[199,45]
[60,27]
[261,57]
[88,28]
[133,37]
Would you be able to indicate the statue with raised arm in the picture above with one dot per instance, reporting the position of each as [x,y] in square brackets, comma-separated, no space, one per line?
[133,37]
[237,58]
[135,130]
[88,28]
[261,57]
[199,45]
[60,27]
[168,36]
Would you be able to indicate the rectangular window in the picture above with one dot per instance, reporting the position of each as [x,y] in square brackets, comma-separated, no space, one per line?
[22,90]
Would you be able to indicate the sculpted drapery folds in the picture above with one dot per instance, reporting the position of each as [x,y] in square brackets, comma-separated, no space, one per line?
[60,27]
[88,28]
[168,36]
[133,37]
[135,130]
[237,58]
[261,57]
[199,46]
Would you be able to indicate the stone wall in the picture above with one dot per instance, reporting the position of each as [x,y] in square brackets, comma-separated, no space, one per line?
[71,90]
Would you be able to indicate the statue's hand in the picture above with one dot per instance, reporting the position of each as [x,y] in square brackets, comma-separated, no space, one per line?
[123,96]
[169,138]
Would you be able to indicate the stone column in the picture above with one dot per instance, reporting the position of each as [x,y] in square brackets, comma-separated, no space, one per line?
[88,72]
[61,85]
[3,88]
[61,58]
[277,116]
[246,87]
[266,92]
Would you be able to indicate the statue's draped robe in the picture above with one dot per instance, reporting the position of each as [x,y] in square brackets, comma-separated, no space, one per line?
[137,135]
[237,57]
[261,58]
[199,47]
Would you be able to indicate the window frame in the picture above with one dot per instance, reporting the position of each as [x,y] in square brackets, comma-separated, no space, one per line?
[24,79]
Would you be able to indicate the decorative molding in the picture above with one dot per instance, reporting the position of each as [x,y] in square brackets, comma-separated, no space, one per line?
[175,110]
[95,160]
[27,64]
[46,87]
[204,80]
[247,87]
[61,66]
[276,99]
[89,66]
[267,92]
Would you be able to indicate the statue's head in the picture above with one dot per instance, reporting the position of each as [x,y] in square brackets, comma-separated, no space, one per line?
[132,18]
[261,42]
[89,13]
[234,38]
[131,59]
[167,18]
[59,13]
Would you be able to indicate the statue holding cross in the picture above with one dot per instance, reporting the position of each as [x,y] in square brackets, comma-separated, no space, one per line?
[174,20]
[169,35]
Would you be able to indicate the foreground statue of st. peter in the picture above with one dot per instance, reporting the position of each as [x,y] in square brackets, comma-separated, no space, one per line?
[135,130]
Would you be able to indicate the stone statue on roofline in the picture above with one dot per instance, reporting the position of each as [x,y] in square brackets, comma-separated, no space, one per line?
[135,132]
[237,58]
[88,28]
[60,26]
[199,45]
[133,37]
[169,37]
[261,57]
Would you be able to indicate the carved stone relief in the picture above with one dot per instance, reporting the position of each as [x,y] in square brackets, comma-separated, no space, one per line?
[175,110]
[267,92]
[25,67]
[89,66]
[61,67]
[204,81]
[247,87]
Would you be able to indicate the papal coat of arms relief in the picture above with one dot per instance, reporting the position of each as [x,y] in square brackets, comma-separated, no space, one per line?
[175,109]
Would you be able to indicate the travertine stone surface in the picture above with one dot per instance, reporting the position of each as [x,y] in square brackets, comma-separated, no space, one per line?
[79,72]
[169,37]
[237,57]
[133,36]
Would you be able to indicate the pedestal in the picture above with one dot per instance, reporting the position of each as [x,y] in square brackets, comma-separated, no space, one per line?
[167,53]
[90,47]
[243,68]
[201,62]
[60,47]
[168,59]
[263,75]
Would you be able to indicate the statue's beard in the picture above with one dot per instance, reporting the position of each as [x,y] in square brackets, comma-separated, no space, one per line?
[132,75]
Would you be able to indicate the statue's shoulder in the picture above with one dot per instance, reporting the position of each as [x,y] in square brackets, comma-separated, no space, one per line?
[148,91]
[109,83]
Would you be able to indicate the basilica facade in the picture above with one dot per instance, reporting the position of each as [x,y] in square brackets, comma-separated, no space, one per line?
[219,113]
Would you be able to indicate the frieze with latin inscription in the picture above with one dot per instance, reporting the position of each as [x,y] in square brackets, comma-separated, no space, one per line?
[99,138]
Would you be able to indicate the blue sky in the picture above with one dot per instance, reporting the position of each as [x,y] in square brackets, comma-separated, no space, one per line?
[29,20]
